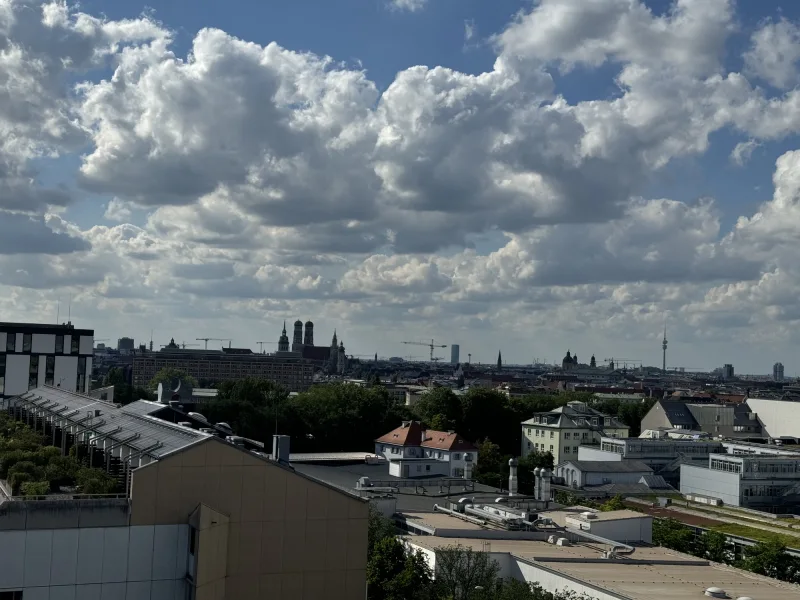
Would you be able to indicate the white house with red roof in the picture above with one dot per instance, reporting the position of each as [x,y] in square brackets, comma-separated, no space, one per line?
[414,451]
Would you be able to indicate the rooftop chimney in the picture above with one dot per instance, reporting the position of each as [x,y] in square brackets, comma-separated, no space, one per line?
[280,448]
[512,477]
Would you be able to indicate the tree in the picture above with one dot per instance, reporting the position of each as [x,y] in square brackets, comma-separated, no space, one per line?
[714,546]
[485,414]
[674,535]
[443,402]
[95,481]
[461,571]
[378,528]
[771,559]
[492,466]
[167,375]
[396,574]
[250,406]
[35,488]
[614,503]
[22,472]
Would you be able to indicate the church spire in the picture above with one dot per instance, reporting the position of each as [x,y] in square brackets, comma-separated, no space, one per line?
[499,361]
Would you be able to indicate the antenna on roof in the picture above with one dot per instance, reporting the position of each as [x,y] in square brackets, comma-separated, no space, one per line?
[58,310]
[69,310]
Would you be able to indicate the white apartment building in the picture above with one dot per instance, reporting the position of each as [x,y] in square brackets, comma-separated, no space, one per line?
[413,451]
[33,355]
[562,430]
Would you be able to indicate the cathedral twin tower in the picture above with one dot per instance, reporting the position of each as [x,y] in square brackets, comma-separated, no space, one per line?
[299,341]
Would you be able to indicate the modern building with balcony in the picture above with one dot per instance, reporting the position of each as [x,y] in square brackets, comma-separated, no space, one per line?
[762,482]
[563,430]
[200,518]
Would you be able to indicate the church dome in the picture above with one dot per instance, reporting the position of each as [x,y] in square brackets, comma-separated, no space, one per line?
[309,324]
[568,356]
[298,323]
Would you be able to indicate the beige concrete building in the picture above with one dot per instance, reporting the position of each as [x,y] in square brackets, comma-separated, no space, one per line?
[203,519]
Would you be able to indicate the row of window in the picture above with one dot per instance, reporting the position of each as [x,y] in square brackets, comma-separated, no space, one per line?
[27,343]
[432,453]
[567,434]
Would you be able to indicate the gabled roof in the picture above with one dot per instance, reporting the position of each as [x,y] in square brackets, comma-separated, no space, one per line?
[609,466]
[411,433]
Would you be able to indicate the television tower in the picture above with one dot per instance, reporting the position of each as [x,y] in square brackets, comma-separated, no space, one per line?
[664,350]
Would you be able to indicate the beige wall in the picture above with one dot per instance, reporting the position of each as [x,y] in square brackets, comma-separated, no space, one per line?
[289,538]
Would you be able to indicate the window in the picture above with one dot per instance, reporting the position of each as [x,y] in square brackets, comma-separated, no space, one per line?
[456,456]
[11,595]
[566,435]
[468,457]
[192,541]
[49,369]
[26,342]
[11,342]
[585,434]
[59,344]
[594,421]
[2,374]
[529,445]
[73,344]
[551,447]
[33,372]
[551,434]
[608,421]
[427,467]
[81,374]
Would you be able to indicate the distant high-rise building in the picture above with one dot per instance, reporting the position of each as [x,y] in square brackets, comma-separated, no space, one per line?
[777,371]
[454,351]
[727,372]
[125,344]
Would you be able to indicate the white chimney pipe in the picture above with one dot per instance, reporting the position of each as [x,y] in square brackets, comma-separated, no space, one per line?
[512,477]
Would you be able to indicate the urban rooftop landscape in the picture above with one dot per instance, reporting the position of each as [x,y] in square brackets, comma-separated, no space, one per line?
[399,299]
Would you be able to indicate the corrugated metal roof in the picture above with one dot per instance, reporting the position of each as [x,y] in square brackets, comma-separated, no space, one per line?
[609,466]
[120,423]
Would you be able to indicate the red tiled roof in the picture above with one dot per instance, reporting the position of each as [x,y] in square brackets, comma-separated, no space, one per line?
[410,434]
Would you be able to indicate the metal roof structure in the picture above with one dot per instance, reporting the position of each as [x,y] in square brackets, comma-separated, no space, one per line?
[132,425]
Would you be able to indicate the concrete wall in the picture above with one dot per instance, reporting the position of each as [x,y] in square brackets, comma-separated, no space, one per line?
[779,418]
[130,563]
[624,530]
[717,484]
[289,537]
[594,453]
[600,478]
[17,366]
[66,372]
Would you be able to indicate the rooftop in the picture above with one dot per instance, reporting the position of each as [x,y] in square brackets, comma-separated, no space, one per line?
[651,572]
[609,466]
[412,433]
[132,425]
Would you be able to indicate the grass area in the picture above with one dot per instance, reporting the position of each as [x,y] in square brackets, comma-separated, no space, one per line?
[757,534]
[737,514]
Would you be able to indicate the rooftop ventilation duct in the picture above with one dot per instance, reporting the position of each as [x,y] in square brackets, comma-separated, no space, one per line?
[715,592]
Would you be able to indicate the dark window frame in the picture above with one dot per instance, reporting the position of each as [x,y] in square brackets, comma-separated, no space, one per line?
[59,344]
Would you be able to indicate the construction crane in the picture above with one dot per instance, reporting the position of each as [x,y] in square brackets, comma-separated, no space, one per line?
[624,361]
[206,340]
[261,346]
[432,345]
[182,345]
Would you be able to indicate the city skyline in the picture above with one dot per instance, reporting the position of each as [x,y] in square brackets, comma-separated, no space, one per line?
[508,176]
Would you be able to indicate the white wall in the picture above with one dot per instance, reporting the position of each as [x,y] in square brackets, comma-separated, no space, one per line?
[86,345]
[111,563]
[780,418]
[717,484]
[66,372]
[43,343]
[592,453]
[624,530]
[599,478]
[17,366]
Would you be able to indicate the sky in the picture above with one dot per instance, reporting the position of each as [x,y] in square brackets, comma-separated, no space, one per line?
[515,176]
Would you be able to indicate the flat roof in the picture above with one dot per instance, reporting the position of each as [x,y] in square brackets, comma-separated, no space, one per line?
[65,328]
[437,520]
[300,457]
[651,572]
